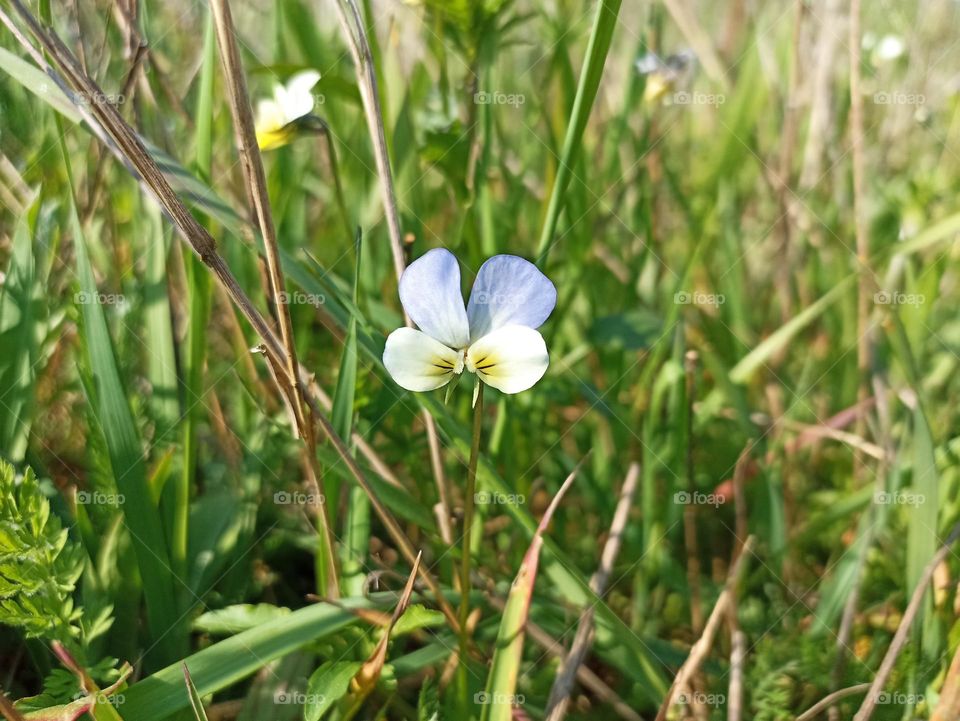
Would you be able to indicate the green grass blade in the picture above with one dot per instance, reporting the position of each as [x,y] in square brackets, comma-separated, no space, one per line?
[346,390]
[233,659]
[742,371]
[357,531]
[161,360]
[37,82]
[196,703]
[922,540]
[945,229]
[126,459]
[498,700]
[198,305]
[19,320]
[835,590]
[603,26]
[204,113]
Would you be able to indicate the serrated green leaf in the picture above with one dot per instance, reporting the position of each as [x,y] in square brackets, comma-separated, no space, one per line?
[416,617]
[39,565]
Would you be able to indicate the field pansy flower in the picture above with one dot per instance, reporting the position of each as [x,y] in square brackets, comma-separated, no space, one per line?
[495,336]
[276,118]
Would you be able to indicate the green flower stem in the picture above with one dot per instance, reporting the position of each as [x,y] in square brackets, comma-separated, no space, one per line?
[468,503]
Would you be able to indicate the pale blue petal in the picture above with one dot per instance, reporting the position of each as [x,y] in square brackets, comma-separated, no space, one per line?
[430,293]
[509,291]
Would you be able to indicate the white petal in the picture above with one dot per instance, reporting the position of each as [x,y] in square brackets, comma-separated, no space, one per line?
[296,98]
[509,291]
[511,359]
[890,48]
[269,117]
[430,293]
[418,362]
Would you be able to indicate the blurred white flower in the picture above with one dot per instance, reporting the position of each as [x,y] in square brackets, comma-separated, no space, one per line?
[890,47]
[884,49]
[494,336]
[276,117]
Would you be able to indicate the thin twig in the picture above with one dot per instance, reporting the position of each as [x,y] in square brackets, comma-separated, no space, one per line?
[352,23]
[850,606]
[17,183]
[738,639]
[863,310]
[690,510]
[690,540]
[353,28]
[785,166]
[860,223]
[256,184]
[828,701]
[948,707]
[436,464]
[8,710]
[686,19]
[702,647]
[741,524]
[10,200]
[821,104]
[225,710]
[585,675]
[563,684]
[811,433]
[331,153]
[738,652]
[900,637]
[127,93]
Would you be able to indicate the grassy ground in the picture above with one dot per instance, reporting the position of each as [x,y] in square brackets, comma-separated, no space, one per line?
[755,337]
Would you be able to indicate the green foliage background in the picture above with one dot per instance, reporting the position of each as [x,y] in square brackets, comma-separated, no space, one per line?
[704,255]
